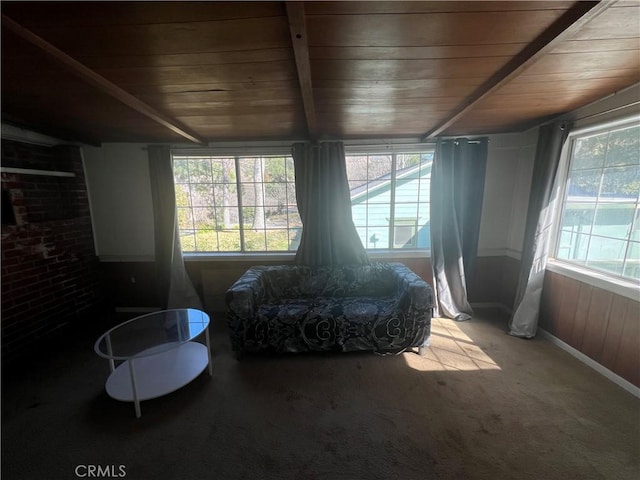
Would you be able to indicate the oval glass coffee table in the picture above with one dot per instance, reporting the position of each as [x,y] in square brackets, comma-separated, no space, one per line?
[156,354]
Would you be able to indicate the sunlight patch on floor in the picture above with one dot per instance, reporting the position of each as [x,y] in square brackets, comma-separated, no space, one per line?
[451,349]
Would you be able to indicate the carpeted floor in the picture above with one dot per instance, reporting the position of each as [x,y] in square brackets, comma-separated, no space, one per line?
[480,405]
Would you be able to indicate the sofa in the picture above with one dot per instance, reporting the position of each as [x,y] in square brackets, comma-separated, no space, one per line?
[381,307]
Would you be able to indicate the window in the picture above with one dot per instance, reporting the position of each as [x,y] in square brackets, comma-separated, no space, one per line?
[390,198]
[599,226]
[236,204]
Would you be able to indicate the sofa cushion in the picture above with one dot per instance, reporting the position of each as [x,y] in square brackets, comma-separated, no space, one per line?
[345,323]
[346,281]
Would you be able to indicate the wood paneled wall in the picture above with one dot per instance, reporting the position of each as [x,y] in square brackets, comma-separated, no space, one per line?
[601,324]
[494,280]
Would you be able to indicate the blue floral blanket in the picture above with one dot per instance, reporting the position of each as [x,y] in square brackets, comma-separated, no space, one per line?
[383,307]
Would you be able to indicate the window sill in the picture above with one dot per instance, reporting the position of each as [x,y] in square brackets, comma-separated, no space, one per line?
[239,257]
[618,286]
[290,256]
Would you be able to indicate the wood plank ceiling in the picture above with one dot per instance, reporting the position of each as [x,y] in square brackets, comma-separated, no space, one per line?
[213,71]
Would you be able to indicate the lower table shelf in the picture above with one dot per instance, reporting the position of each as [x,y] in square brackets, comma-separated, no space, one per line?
[158,374]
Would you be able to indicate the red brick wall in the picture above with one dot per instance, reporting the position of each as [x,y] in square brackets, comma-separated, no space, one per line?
[49,267]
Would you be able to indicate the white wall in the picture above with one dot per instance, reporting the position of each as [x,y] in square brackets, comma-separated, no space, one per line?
[120,199]
[506,193]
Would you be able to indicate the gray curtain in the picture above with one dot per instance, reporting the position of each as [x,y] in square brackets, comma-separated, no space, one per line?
[175,289]
[540,217]
[324,202]
[457,188]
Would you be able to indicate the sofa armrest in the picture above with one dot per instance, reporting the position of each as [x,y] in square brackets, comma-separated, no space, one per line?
[410,286]
[244,296]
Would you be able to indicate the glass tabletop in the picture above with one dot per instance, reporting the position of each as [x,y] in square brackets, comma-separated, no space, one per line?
[151,334]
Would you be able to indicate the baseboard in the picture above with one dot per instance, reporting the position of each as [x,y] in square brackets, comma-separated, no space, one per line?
[615,378]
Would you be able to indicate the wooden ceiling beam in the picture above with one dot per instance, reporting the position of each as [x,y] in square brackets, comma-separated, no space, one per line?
[100,82]
[298,30]
[562,29]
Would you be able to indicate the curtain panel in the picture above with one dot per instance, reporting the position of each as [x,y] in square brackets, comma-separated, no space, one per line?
[175,289]
[329,236]
[543,200]
[457,189]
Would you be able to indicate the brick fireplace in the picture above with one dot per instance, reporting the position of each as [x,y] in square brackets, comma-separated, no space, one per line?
[50,273]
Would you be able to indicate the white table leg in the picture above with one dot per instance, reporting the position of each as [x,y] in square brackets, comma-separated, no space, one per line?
[208,342]
[112,364]
[136,402]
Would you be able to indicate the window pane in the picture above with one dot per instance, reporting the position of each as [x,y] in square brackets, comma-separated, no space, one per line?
[578,217]
[181,171]
[204,217]
[624,147]
[183,195]
[291,194]
[291,175]
[185,218]
[632,265]
[274,169]
[250,169]
[294,238]
[621,182]
[188,242]
[635,230]
[229,240]
[613,220]
[202,195]
[406,212]
[425,190]
[584,183]
[589,152]
[225,170]
[227,218]
[573,246]
[200,170]
[606,254]
[294,217]
[277,240]
[379,191]
[275,194]
[377,237]
[357,169]
[207,240]
[379,166]
[255,241]
[228,192]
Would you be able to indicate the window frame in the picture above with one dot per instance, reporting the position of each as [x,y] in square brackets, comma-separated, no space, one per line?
[237,154]
[393,151]
[278,148]
[608,281]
